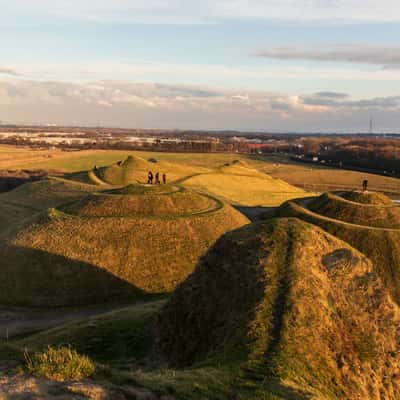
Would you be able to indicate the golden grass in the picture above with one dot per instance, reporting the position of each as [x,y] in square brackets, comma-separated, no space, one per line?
[242,185]
[296,307]
[59,364]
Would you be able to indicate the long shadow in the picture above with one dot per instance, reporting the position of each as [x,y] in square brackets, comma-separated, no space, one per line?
[36,278]
[255,214]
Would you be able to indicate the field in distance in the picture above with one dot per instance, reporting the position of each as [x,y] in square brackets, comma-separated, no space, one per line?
[308,176]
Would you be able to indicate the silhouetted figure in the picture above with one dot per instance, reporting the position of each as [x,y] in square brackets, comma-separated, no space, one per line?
[95,168]
[119,163]
[365,185]
[164,179]
[150,178]
[157,178]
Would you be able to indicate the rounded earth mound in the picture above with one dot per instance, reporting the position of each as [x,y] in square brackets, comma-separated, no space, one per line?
[142,200]
[373,198]
[385,215]
[71,259]
[290,303]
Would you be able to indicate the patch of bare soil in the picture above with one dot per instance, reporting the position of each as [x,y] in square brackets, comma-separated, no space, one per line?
[22,387]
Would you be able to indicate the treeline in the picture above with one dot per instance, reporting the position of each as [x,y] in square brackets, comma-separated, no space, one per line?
[205,146]
[380,154]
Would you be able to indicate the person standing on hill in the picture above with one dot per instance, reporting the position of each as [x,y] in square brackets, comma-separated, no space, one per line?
[157,178]
[150,178]
[164,179]
[365,185]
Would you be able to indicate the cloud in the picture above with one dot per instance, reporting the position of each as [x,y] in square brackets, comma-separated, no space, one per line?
[155,105]
[8,71]
[331,95]
[386,103]
[206,11]
[387,57]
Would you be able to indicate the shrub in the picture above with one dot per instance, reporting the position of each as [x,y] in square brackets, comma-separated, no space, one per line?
[60,364]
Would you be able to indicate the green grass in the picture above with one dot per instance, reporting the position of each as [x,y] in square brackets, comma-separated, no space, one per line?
[380,244]
[59,364]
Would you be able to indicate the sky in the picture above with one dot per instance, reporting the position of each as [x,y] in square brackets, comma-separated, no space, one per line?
[270,65]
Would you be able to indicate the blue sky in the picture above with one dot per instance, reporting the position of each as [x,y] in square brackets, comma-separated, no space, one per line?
[255,64]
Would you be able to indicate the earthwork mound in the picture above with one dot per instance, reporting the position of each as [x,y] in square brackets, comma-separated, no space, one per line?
[372,229]
[295,306]
[111,245]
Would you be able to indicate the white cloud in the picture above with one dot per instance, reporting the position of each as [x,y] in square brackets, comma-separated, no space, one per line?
[387,57]
[8,71]
[180,106]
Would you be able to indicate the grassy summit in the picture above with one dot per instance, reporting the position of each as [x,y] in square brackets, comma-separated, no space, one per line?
[371,210]
[111,245]
[134,170]
[303,313]
[372,229]
[240,184]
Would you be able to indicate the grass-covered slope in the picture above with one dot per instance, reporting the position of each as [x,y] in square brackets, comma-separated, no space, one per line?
[381,245]
[91,251]
[372,198]
[303,313]
[135,170]
[171,202]
[240,184]
[368,211]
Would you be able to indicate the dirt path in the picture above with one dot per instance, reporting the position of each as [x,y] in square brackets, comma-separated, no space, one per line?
[21,321]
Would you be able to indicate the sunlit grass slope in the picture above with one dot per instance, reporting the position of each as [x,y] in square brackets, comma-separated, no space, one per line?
[371,210]
[356,224]
[111,246]
[135,170]
[303,313]
[241,184]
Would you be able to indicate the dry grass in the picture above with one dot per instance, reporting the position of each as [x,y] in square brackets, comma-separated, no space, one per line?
[240,184]
[321,179]
[267,294]
[372,210]
[381,245]
[81,260]
[59,364]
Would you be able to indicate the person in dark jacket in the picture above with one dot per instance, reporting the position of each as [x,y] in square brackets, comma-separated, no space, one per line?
[150,178]
[164,179]
[365,185]
[157,178]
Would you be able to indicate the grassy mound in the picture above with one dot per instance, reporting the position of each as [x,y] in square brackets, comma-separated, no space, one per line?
[239,184]
[31,198]
[134,170]
[129,171]
[373,198]
[178,203]
[301,311]
[61,259]
[338,207]
[381,245]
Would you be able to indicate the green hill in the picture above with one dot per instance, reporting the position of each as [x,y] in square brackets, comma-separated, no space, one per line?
[111,246]
[135,169]
[380,244]
[302,312]
[240,184]
[368,211]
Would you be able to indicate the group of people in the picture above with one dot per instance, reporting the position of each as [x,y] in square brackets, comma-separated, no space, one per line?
[156,178]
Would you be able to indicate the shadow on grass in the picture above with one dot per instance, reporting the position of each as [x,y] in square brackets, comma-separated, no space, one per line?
[36,278]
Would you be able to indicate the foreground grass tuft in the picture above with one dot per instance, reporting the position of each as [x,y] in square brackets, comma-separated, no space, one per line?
[60,364]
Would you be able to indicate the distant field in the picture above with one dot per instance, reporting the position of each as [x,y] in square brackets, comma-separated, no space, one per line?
[310,177]
[23,158]
[319,179]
